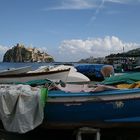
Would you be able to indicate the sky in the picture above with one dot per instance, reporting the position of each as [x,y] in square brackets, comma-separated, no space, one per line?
[70,30]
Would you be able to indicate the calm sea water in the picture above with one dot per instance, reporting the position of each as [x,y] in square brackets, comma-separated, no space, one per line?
[35,65]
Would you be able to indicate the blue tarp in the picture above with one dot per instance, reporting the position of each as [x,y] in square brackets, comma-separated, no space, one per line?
[90,69]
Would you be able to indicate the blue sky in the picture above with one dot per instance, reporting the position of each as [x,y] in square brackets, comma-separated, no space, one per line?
[70,30]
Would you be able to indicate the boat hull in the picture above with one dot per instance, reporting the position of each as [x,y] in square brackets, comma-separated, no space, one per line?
[117,108]
[73,76]
[16,70]
[51,75]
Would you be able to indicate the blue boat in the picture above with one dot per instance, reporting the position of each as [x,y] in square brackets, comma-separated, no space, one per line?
[97,109]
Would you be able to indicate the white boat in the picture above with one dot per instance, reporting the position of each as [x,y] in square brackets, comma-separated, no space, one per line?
[73,75]
[15,70]
[55,76]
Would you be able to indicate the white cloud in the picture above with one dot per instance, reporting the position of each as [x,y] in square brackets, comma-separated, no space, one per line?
[85,4]
[96,47]
[101,4]
[123,1]
[116,1]
[73,5]
[3,50]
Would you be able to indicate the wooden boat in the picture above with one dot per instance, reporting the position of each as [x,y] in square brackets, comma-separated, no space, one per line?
[25,77]
[108,108]
[15,70]
[98,106]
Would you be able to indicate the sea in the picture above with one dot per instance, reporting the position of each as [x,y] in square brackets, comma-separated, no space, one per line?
[35,65]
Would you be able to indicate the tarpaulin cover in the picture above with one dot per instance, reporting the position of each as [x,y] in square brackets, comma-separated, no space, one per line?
[21,107]
[128,78]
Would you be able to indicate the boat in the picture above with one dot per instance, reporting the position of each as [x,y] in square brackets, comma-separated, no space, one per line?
[18,70]
[88,105]
[136,69]
[114,102]
[98,109]
[25,77]
[73,75]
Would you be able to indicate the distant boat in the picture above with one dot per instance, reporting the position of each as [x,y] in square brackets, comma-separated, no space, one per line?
[25,77]
[136,69]
[15,70]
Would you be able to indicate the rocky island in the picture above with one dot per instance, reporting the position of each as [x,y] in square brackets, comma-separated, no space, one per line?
[20,53]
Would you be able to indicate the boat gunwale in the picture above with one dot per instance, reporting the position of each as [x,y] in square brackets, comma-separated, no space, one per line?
[33,74]
[94,98]
[100,93]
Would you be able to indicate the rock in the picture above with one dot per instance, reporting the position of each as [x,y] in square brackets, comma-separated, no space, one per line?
[21,54]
